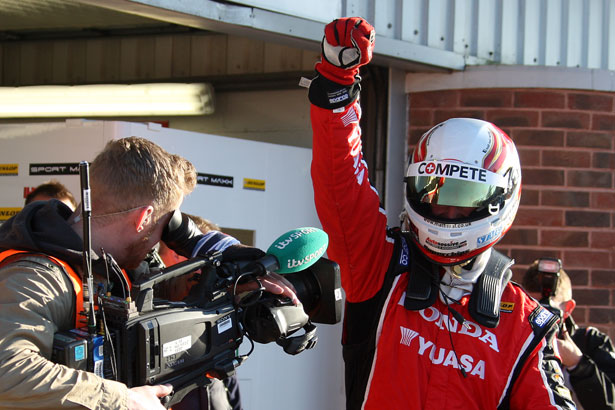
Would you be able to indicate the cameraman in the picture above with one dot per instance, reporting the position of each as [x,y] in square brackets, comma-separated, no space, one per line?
[588,355]
[135,188]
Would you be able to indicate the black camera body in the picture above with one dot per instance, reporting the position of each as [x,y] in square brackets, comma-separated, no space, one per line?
[145,340]
[167,343]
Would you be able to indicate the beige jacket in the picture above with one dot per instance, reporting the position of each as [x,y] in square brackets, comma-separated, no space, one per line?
[36,300]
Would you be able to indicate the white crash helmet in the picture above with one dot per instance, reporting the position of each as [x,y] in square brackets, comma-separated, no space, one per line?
[462,162]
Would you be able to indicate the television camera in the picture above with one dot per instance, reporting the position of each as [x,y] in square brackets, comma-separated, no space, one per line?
[141,339]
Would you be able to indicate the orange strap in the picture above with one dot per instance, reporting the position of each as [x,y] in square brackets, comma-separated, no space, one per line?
[74,278]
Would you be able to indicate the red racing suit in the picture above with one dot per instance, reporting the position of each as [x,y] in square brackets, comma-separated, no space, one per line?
[403,359]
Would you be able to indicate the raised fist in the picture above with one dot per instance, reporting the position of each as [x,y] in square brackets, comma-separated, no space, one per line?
[348,44]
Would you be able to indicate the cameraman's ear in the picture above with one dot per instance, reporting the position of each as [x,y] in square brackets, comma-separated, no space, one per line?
[569,307]
[144,217]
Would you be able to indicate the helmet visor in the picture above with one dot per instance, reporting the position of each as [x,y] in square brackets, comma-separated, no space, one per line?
[452,184]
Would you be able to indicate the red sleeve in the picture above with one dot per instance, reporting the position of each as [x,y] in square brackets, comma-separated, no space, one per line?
[541,382]
[347,205]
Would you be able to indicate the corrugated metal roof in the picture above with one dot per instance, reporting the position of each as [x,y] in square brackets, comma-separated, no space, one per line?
[434,33]
[565,33]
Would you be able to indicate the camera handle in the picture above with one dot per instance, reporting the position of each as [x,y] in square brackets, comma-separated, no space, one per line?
[187,382]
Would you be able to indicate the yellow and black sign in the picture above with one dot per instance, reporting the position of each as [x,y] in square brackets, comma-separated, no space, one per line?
[257,184]
[9,169]
[6,213]
[507,307]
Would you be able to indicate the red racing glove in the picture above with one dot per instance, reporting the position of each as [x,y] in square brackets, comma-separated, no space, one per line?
[348,44]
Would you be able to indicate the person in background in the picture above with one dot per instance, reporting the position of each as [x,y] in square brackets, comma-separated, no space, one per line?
[52,190]
[219,394]
[431,319]
[136,189]
[587,354]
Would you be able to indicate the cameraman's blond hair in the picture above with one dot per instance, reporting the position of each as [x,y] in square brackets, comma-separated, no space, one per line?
[133,172]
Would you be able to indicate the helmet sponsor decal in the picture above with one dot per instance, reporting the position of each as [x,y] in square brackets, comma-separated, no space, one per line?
[457,171]
[446,246]
[485,239]
[448,226]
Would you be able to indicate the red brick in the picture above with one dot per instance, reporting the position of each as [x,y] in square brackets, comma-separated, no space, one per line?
[517,273]
[539,99]
[528,156]
[602,239]
[574,239]
[601,316]
[579,314]
[443,115]
[486,98]
[516,236]
[527,256]
[416,134]
[603,160]
[587,259]
[603,278]
[593,179]
[603,122]
[592,297]
[566,158]
[578,277]
[513,118]
[506,130]
[588,139]
[588,218]
[590,102]
[539,217]
[564,198]
[602,200]
[565,119]
[529,196]
[421,117]
[538,137]
[541,176]
[434,99]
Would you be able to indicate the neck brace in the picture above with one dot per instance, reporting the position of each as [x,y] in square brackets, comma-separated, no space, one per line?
[455,286]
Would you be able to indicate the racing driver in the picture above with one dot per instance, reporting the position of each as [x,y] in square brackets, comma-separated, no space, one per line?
[432,320]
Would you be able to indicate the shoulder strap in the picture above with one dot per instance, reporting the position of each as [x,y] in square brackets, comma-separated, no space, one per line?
[484,303]
[422,289]
[65,267]
[543,324]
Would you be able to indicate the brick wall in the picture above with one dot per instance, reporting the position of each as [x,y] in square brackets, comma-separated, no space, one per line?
[566,141]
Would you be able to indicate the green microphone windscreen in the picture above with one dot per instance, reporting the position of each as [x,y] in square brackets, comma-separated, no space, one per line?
[299,249]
